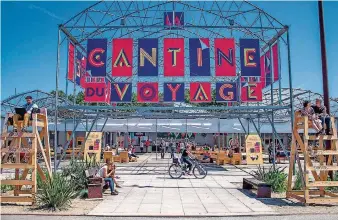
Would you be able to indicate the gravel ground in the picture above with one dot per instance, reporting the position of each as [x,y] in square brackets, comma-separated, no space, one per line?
[78,207]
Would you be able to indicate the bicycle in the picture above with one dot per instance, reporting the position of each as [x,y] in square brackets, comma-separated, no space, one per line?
[176,169]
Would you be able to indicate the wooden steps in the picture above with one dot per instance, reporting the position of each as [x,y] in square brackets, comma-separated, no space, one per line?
[16,166]
[18,182]
[325,152]
[16,199]
[13,145]
[318,162]
[323,183]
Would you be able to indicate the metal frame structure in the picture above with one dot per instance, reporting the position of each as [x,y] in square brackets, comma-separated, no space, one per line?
[139,19]
[209,19]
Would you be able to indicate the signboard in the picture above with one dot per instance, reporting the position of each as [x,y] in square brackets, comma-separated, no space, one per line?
[253,146]
[139,134]
[93,146]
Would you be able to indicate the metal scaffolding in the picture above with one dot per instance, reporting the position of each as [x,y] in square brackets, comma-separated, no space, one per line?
[203,19]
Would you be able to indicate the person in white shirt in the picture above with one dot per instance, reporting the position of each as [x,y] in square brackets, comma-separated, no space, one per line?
[141,146]
[108,177]
[107,148]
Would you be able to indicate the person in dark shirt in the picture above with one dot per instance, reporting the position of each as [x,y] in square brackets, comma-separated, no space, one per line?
[320,111]
[186,159]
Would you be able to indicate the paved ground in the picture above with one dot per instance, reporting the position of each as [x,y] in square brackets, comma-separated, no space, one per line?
[148,190]
[293,217]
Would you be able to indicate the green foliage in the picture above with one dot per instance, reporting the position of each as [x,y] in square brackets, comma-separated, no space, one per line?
[83,194]
[6,188]
[76,171]
[276,177]
[56,193]
[298,183]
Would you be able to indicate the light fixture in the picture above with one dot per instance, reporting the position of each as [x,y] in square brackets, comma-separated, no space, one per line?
[231,22]
[123,21]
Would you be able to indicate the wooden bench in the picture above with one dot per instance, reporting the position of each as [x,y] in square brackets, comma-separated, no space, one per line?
[108,156]
[95,184]
[221,158]
[124,157]
[236,159]
[263,189]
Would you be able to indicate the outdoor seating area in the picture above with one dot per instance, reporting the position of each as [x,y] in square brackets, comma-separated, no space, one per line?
[220,157]
[168,109]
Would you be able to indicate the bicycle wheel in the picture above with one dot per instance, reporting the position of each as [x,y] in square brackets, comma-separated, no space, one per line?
[175,171]
[199,171]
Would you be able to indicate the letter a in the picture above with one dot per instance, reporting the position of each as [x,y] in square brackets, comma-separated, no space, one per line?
[121,59]
[201,94]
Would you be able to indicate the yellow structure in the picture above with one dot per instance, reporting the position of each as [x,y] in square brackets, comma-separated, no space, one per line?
[24,147]
[253,146]
[318,161]
[93,146]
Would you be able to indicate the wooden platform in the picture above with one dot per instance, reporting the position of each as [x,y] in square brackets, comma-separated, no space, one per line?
[29,144]
[313,192]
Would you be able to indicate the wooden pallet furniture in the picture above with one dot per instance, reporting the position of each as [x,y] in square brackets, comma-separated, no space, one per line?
[31,144]
[221,158]
[263,189]
[108,156]
[312,192]
[124,157]
[236,159]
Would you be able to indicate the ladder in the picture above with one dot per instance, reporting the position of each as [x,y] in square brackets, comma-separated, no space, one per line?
[313,192]
[23,148]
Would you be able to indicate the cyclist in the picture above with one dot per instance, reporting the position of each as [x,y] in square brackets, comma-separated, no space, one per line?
[186,159]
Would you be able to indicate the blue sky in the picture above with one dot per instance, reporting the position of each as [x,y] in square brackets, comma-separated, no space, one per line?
[29,41]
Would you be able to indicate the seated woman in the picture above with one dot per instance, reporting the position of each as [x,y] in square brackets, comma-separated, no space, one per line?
[131,152]
[307,110]
[113,170]
[206,157]
[107,172]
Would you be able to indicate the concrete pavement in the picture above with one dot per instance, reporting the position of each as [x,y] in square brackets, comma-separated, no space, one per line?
[287,217]
[149,191]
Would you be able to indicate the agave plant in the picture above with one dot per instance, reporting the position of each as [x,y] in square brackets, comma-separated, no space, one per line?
[56,193]
[276,177]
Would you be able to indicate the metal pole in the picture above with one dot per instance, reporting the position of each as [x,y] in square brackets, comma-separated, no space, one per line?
[290,76]
[219,135]
[272,114]
[65,121]
[56,98]
[156,139]
[290,87]
[279,76]
[74,102]
[323,56]
[324,71]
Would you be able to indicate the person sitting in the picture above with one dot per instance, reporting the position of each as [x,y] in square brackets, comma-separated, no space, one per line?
[30,108]
[107,172]
[206,157]
[131,153]
[320,111]
[308,111]
[107,148]
[113,175]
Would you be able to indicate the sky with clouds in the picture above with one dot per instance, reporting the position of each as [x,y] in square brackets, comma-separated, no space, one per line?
[29,42]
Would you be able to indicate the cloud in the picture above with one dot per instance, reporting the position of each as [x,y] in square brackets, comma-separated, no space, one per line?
[45,11]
